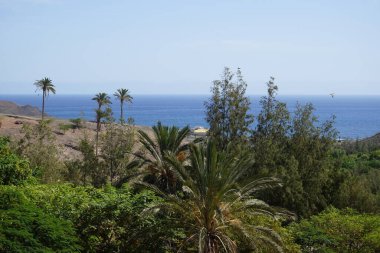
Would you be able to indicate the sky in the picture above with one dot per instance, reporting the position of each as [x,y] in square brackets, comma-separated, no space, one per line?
[313,47]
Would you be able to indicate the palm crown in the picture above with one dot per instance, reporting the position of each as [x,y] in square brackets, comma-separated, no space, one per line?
[123,96]
[46,85]
[216,202]
[166,140]
[102,99]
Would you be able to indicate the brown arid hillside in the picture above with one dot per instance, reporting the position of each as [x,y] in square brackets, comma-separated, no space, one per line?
[7,107]
[66,140]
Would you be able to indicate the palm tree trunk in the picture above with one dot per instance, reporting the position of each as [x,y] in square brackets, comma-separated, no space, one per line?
[97,137]
[121,113]
[43,104]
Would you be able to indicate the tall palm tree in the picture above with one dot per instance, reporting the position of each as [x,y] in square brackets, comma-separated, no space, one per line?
[165,140]
[46,85]
[216,203]
[123,96]
[102,99]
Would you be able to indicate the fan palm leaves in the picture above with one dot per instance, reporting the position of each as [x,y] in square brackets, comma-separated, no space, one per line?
[165,140]
[215,204]
[123,96]
[46,85]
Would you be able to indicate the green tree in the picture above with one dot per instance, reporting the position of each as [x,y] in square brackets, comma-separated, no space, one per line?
[311,146]
[38,144]
[336,230]
[85,170]
[214,202]
[46,85]
[116,144]
[227,111]
[26,228]
[123,96]
[270,137]
[166,140]
[13,169]
[270,145]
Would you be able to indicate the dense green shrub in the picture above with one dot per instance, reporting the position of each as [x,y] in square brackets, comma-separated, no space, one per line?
[108,219]
[26,228]
[13,169]
[338,231]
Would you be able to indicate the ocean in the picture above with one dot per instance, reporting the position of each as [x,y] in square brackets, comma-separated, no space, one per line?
[356,116]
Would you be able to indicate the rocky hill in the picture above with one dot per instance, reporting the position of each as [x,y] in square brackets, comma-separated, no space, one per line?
[362,145]
[7,107]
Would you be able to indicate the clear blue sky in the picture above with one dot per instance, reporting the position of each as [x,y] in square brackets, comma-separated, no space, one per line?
[180,46]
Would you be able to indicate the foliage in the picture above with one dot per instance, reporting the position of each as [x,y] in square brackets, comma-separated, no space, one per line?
[167,140]
[103,100]
[296,149]
[13,169]
[114,224]
[85,170]
[47,86]
[39,147]
[108,219]
[65,127]
[26,228]
[360,188]
[336,230]
[288,241]
[227,111]
[78,123]
[214,203]
[123,96]
[116,148]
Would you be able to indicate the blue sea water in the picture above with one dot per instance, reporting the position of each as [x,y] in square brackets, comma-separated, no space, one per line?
[356,116]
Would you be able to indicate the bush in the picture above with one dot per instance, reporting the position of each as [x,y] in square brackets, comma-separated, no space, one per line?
[27,228]
[336,230]
[13,169]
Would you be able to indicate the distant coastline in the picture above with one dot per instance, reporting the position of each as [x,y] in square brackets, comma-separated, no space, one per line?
[356,116]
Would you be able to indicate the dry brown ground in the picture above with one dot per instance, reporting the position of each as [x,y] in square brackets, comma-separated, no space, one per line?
[67,141]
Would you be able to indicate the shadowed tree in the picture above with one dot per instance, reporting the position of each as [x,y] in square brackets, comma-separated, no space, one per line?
[215,205]
[102,99]
[46,86]
[123,96]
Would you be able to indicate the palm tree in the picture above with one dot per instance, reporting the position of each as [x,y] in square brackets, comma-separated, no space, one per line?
[102,99]
[46,86]
[216,204]
[166,140]
[123,96]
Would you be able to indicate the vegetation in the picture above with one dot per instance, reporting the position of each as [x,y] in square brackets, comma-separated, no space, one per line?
[336,230]
[13,169]
[102,99]
[168,141]
[46,86]
[215,204]
[284,185]
[227,111]
[123,96]
[38,146]
[77,123]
